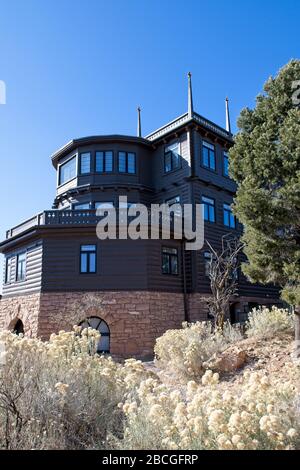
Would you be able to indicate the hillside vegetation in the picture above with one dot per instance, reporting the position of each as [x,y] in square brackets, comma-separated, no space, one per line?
[206,390]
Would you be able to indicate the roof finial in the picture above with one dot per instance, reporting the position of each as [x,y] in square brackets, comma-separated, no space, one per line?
[139,123]
[228,126]
[190,96]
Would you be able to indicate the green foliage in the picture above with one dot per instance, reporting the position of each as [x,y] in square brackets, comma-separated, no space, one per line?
[265,162]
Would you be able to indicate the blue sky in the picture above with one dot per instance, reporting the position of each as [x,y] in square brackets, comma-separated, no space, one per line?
[74,68]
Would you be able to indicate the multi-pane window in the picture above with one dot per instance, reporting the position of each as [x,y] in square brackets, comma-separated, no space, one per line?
[208,155]
[104,205]
[81,207]
[169,260]
[8,270]
[21,267]
[209,212]
[172,157]
[104,162]
[85,163]
[207,262]
[127,162]
[67,171]
[228,217]
[225,164]
[87,259]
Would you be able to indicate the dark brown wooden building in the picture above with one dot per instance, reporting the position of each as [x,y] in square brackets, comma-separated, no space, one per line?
[58,273]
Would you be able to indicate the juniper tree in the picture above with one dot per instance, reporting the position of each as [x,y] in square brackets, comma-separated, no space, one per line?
[265,162]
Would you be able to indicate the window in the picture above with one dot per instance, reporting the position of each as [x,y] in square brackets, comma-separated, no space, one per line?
[228,217]
[82,207]
[104,205]
[173,200]
[127,162]
[21,267]
[103,328]
[172,157]
[207,260]
[104,162]
[85,163]
[169,260]
[208,156]
[87,259]
[8,270]
[225,164]
[18,328]
[67,171]
[208,209]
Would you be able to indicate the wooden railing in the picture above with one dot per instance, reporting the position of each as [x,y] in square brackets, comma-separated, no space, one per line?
[62,217]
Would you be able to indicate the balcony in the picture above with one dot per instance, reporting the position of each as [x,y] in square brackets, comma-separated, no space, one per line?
[55,217]
[69,217]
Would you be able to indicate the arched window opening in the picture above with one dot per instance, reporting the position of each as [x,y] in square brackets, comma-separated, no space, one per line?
[103,328]
[19,328]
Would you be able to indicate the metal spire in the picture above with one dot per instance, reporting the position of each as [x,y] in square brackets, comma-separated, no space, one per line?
[228,126]
[139,123]
[190,96]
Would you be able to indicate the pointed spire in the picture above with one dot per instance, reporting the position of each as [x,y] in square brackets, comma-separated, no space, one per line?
[190,96]
[139,123]
[228,126]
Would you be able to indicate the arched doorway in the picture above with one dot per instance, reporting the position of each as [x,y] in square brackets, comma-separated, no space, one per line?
[18,328]
[98,324]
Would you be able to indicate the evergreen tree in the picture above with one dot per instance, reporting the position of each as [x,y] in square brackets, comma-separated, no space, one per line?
[265,162]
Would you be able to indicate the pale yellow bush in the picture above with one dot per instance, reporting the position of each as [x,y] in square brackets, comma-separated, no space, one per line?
[185,351]
[266,323]
[59,394]
[255,413]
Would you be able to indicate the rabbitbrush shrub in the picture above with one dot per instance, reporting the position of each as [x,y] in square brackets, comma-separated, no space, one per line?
[264,323]
[59,394]
[185,351]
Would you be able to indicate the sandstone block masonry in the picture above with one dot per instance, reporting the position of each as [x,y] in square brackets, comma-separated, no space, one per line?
[135,318]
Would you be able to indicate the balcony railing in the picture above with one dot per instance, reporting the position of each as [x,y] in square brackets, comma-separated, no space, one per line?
[61,217]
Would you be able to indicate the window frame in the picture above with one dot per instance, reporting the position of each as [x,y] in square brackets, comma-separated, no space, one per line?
[88,252]
[226,157]
[207,255]
[228,211]
[8,270]
[170,256]
[80,163]
[98,172]
[75,206]
[171,153]
[61,165]
[206,144]
[211,205]
[126,172]
[24,264]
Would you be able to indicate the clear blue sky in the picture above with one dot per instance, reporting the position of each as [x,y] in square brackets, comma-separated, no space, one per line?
[74,68]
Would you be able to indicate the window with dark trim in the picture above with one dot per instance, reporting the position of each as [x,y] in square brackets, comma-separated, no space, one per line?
[207,262]
[67,171]
[208,155]
[85,163]
[82,207]
[104,205]
[172,157]
[21,267]
[225,164]
[88,262]
[98,324]
[8,270]
[169,260]
[228,217]
[209,211]
[104,162]
[127,162]
[173,200]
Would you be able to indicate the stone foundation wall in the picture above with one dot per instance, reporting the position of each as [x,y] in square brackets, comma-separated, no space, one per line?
[25,308]
[135,319]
